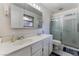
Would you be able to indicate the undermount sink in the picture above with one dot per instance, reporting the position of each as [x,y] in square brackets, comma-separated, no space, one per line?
[21,42]
[26,40]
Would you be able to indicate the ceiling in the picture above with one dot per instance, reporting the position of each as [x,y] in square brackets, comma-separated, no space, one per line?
[54,7]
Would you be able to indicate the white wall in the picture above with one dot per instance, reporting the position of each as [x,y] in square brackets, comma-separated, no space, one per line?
[5,26]
[46,19]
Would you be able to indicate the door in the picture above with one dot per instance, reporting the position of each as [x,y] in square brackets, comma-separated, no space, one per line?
[50,45]
[69,32]
[38,53]
[56,28]
[77,30]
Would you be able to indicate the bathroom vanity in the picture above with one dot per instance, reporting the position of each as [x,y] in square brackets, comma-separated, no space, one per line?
[39,45]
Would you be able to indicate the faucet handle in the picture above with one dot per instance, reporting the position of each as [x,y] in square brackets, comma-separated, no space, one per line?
[22,37]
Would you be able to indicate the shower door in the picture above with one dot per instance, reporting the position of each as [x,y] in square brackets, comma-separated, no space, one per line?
[69,30]
[55,28]
[77,30]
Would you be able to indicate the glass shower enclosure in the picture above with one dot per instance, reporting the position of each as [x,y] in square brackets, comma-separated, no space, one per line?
[67,30]
[56,28]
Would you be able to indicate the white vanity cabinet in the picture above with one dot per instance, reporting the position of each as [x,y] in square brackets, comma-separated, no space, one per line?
[26,51]
[45,47]
[39,47]
[38,53]
[50,46]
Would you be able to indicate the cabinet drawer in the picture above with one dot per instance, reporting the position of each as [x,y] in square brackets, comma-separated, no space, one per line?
[36,47]
[38,53]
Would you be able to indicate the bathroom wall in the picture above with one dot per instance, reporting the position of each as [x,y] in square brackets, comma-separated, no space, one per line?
[5,26]
[46,19]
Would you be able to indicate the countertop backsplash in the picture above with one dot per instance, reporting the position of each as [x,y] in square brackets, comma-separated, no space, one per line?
[10,37]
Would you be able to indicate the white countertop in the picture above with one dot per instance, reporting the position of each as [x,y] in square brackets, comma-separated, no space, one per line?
[8,47]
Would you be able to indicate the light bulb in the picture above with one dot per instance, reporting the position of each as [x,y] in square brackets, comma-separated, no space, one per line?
[34,5]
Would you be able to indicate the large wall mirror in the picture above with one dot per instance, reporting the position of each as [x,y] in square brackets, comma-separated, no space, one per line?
[25,16]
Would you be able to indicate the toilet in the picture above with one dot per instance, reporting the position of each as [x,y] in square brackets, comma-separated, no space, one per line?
[58,49]
[56,44]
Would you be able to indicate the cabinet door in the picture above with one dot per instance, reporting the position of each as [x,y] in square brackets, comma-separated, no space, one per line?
[50,49]
[22,52]
[45,47]
[16,16]
[50,46]
[36,47]
[38,53]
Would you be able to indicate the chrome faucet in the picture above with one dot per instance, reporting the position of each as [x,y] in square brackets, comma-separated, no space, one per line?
[21,37]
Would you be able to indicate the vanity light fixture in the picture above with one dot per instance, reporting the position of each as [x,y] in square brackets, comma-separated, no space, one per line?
[35,6]
[6,10]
